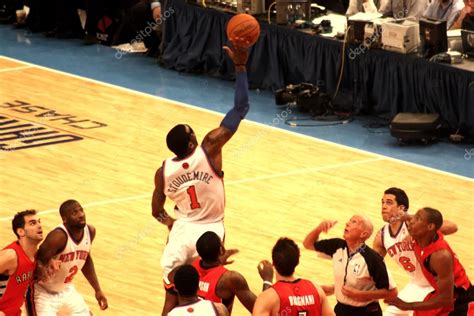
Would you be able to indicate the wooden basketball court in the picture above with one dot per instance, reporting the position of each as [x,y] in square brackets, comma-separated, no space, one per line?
[66,137]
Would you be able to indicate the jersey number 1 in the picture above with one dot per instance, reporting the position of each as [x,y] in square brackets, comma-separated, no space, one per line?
[192,195]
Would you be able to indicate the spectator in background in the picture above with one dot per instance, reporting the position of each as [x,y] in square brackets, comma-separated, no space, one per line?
[446,10]
[465,20]
[56,18]
[403,8]
[366,6]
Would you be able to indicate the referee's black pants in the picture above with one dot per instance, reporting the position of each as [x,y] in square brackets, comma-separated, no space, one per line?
[373,309]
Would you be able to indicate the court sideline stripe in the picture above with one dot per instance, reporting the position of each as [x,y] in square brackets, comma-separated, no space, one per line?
[246,120]
[227,183]
[16,68]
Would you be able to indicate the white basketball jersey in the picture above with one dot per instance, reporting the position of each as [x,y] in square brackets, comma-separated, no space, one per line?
[195,187]
[402,252]
[72,259]
[199,308]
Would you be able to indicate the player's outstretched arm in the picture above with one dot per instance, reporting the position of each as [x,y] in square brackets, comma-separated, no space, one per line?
[448,227]
[326,309]
[442,264]
[52,245]
[221,309]
[265,269]
[89,272]
[240,288]
[158,201]
[313,236]
[216,139]
[267,303]
[378,244]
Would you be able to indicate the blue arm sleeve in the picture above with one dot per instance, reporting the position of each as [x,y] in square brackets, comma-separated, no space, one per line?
[241,103]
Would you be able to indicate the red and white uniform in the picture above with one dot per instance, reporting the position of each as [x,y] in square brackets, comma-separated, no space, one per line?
[58,291]
[299,297]
[208,279]
[13,287]
[198,308]
[461,280]
[403,254]
[198,192]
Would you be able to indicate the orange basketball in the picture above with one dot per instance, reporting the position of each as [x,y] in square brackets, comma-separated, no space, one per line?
[244,26]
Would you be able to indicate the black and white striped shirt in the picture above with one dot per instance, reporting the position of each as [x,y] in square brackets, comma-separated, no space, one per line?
[364,270]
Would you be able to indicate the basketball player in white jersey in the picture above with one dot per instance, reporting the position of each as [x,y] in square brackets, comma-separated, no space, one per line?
[65,252]
[393,239]
[193,179]
[186,280]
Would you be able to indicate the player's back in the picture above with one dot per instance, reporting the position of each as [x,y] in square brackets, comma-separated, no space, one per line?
[299,297]
[200,307]
[196,188]
[208,282]
[73,257]
[402,252]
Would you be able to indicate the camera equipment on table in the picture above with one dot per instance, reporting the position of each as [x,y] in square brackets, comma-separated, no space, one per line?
[308,98]
[433,37]
[289,11]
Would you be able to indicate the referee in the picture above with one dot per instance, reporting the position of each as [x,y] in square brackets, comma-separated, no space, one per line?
[360,274]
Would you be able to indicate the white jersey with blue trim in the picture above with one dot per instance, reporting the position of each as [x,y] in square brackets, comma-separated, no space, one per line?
[195,187]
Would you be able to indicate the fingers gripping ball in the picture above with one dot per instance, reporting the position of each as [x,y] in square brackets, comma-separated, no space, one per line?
[244,29]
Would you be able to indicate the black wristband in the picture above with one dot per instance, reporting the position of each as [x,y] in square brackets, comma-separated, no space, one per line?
[239,65]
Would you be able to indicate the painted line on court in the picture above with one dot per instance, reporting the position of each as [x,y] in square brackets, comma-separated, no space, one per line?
[318,140]
[17,68]
[227,183]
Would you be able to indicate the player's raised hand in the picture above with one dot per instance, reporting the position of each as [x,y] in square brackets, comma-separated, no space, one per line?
[238,53]
[265,269]
[101,299]
[326,225]
[402,305]
[224,258]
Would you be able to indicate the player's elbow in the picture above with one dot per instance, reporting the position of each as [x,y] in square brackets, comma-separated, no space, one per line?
[446,299]
[392,294]
[308,244]
[449,229]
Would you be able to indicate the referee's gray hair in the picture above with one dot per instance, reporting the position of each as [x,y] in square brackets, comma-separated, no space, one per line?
[367,225]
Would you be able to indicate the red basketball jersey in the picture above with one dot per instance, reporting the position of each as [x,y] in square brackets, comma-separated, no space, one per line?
[297,298]
[13,287]
[461,280]
[208,279]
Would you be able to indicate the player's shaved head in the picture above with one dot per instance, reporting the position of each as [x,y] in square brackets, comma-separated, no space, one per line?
[433,216]
[66,207]
[208,246]
[186,280]
[178,139]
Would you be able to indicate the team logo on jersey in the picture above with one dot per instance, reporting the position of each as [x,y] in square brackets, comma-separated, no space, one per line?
[356,269]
